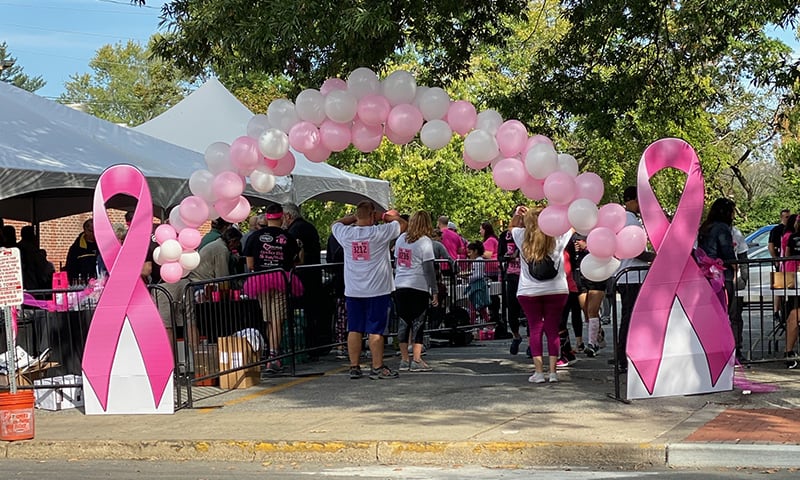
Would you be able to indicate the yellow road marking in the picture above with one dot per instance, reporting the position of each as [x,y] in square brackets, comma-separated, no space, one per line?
[276,388]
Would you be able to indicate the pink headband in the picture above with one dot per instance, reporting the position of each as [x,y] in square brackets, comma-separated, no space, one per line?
[273,216]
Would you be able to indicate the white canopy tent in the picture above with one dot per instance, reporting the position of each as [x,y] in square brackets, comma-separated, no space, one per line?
[51,157]
[212,114]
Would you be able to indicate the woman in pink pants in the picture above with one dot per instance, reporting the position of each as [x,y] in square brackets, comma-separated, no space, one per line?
[542,291]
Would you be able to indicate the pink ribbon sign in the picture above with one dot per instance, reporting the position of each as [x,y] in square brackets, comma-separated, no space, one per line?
[674,275]
[125,295]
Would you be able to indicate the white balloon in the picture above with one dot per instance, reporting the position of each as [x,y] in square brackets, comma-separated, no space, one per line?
[175,219]
[157,255]
[598,270]
[481,146]
[568,164]
[170,251]
[218,158]
[189,260]
[310,106]
[582,215]
[489,120]
[421,89]
[541,160]
[257,125]
[282,114]
[435,134]
[362,82]
[262,180]
[341,106]
[213,214]
[399,87]
[200,184]
[434,103]
[273,144]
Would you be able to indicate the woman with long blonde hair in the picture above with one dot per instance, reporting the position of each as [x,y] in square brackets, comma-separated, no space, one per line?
[542,299]
[416,288]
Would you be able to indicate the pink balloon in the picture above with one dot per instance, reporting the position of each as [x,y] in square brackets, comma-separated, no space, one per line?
[405,120]
[244,154]
[165,232]
[589,185]
[532,188]
[462,116]
[189,238]
[332,84]
[612,216]
[509,174]
[335,136]
[559,188]
[374,109]
[171,272]
[511,137]
[553,220]
[631,241]
[225,205]
[285,165]
[228,185]
[472,163]
[536,139]
[194,211]
[304,136]
[238,213]
[270,163]
[396,138]
[366,138]
[319,154]
[602,242]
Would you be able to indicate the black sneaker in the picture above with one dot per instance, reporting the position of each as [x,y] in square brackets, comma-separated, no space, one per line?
[791,360]
[355,373]
[590,350]
[581,347]
[515,346]
[383,372]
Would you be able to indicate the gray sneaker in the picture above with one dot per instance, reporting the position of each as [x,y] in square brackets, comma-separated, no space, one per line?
[382,373]
[419,367]
[404,365]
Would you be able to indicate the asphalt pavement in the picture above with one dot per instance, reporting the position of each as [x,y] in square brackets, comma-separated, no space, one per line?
[475,408]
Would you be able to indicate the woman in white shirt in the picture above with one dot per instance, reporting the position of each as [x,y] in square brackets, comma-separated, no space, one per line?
[542,299]
[415,280]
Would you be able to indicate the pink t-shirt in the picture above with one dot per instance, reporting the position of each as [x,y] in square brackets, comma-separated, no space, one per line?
[452,242]
[490,245]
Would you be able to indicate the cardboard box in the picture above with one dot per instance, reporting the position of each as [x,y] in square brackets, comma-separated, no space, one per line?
[235,352]
[206,362]
[29,374]
[58,397]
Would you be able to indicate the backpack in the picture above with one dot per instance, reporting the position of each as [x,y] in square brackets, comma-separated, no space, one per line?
[544,269]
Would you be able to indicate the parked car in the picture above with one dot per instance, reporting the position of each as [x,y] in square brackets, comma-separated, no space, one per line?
[759,282]
[759,238]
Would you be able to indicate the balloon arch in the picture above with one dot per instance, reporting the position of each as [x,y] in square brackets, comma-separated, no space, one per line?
[361,111]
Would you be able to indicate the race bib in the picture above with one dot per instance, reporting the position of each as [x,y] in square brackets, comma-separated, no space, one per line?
[360,250]
[404,257]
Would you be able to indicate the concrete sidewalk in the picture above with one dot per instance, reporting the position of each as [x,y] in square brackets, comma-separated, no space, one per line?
[476,407]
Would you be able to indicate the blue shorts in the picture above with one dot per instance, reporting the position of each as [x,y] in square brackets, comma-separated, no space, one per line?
[368,315]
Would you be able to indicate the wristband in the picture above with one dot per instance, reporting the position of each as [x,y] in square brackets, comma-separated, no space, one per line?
[383,217]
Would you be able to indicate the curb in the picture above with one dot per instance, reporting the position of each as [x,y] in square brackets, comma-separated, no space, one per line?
[618,455]
[732,455]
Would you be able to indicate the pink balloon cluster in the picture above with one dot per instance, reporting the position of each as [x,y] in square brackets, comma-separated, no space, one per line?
[176,252]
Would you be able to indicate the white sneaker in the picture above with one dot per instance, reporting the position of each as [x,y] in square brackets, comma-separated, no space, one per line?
[553,377]
[537,377]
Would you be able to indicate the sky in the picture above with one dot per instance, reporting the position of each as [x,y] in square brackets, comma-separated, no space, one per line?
[57,38]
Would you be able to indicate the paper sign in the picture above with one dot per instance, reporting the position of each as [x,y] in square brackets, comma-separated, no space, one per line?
[10,277]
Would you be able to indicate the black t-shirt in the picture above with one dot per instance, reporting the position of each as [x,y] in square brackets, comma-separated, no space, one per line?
[272,247]
[775,236]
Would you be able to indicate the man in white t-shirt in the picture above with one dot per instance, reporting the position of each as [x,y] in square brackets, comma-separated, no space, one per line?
[629,284]
[368,281]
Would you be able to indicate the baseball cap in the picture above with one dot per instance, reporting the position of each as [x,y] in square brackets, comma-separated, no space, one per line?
[452,226]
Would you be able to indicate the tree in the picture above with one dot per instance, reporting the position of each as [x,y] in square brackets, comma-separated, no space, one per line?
[312,40]
[127,85]
[13,73]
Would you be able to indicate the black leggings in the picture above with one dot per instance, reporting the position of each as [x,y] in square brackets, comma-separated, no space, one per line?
[573,307]
[412,307]
[512,283]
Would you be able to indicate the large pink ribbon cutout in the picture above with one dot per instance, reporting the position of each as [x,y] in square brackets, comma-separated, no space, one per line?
[674,273]
[125,294]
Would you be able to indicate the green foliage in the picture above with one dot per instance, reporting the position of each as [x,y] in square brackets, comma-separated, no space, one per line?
[127,85]
[312,40]
[13,73]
